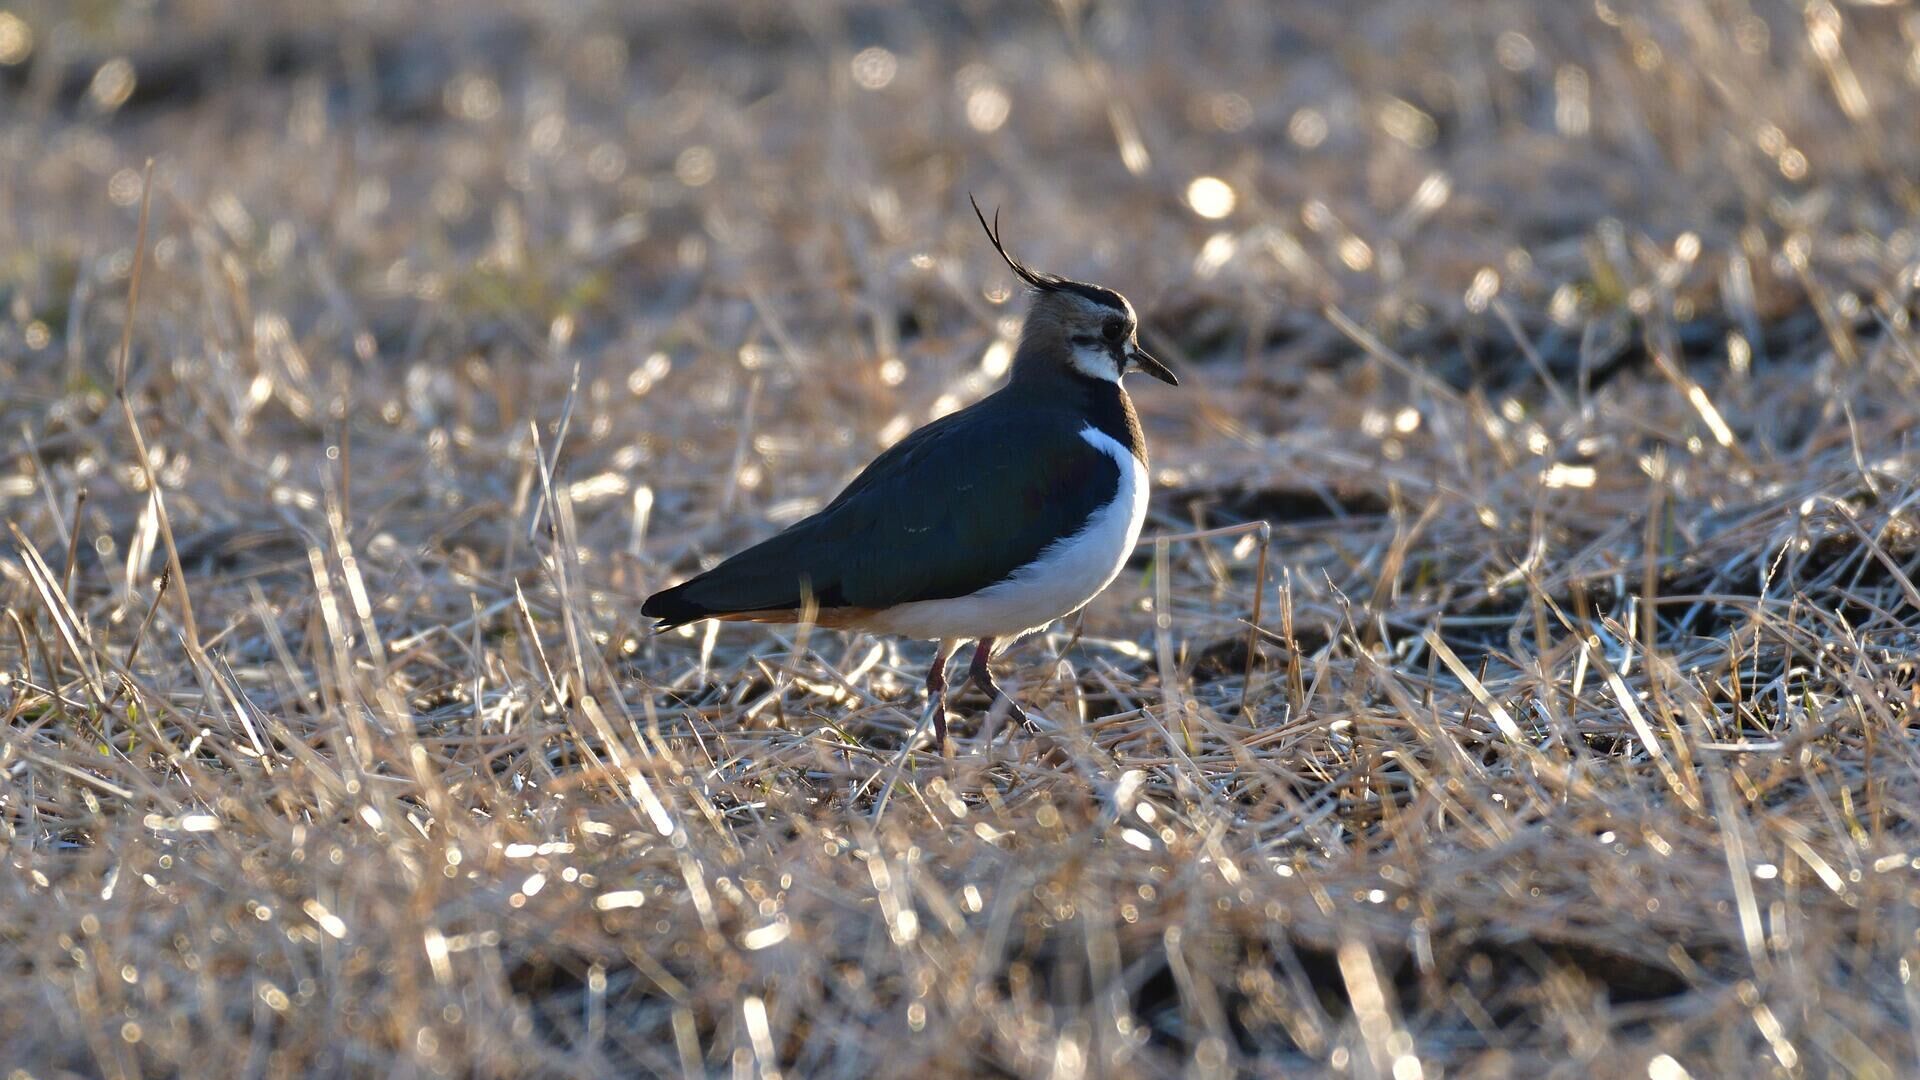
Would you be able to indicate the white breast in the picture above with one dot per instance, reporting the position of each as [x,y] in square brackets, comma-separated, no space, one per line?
[1068,573]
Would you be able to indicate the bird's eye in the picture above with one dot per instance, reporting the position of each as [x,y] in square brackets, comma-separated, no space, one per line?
[1114,330]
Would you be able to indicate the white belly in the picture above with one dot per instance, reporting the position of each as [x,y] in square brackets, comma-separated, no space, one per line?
[1067,574]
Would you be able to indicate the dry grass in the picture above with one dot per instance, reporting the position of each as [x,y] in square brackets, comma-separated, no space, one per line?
[1567,348]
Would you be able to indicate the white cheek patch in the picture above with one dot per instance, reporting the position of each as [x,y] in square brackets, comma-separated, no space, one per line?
[1094,362]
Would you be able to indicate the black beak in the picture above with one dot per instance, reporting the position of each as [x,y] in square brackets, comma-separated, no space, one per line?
[1144,360]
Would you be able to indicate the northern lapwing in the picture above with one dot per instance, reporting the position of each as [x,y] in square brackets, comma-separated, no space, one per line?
[985,525]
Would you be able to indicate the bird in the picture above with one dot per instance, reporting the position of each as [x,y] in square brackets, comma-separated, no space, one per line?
[983,526]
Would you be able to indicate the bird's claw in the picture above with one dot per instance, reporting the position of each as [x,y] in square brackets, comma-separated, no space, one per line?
[936,714]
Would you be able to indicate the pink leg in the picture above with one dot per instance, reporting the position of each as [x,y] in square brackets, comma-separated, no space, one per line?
[982,677]
[937,691]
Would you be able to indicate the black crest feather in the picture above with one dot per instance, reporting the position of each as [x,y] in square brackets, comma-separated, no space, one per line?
[1043,281]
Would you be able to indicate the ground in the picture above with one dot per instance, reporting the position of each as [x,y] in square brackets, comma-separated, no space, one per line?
[1566,349]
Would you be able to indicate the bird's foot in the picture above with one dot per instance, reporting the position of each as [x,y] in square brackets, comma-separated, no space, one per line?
[981,676]
[998,699]
[936,714]
[1050,749]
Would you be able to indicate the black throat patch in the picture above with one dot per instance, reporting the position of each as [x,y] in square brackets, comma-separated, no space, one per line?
[1110,410]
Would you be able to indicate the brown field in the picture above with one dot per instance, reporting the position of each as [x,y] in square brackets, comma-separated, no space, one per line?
[1567,348]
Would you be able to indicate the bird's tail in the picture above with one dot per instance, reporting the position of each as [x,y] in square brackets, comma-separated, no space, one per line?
[743,588]
[676,606]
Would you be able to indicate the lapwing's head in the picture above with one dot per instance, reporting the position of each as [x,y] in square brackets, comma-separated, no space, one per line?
[1075,328]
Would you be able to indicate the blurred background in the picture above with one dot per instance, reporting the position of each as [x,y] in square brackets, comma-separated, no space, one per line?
[421,217]
[462,326]
[783,185]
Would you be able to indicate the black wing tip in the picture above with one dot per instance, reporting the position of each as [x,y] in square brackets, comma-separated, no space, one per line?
[670,608]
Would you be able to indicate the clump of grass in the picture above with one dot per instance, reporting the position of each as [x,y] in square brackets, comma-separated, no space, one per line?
[1566,353]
